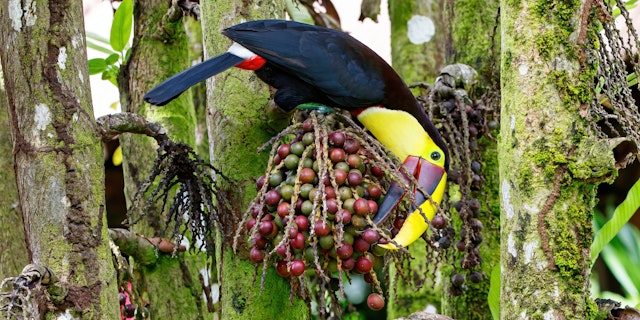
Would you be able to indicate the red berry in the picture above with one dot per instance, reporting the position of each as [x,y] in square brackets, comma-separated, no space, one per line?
[351,146]
[256,255]
[307,125]
[299,205]
[363,265]
[297,267]
[293,233]
[283,209]
[348,264]
[259,183]
[259,241]
[354,161]
[337,155]
[354,178]
[374,191]
[284,150]
[332,206]
[272,198]
[344,215]
[321,228]
[375,302]
[377,172]
[250,223]
[282,251]
[438,222]
[370,236]
[360,244]
[344,251]
[373,206]
[361,207]
[302,222]
[266,228]
[281,268]
[341,176]
[299,242]
[330,192]
[129,310]
[307,175]
[337,139]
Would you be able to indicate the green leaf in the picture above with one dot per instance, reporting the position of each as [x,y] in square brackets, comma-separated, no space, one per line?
[617,262]
[95,46]
[121,27]
[298,12]
[112,58]
[111,74]
[494,293]
[96,37]
[621,215]
[97,65]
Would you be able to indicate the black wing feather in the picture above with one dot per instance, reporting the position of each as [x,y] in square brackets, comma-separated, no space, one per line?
[340,69]
[174,86]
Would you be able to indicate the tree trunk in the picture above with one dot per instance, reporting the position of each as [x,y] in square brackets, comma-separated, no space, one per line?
[170,287]
[57,154]
[546,154]
[238,125]
[419,34]
[13,247]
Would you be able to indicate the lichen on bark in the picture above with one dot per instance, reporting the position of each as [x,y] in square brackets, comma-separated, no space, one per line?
[239,124]
[547,192]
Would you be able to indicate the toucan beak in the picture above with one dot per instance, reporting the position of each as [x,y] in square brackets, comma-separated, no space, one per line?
[431,179]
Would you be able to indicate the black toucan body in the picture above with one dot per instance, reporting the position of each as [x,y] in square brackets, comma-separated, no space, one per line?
[311,64]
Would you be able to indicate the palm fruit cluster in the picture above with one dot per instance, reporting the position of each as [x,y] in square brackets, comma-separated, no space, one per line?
[466,122]
[315,204]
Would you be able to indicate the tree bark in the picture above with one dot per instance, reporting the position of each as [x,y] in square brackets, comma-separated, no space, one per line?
[57,154]
[238,125]
[170,287]
[419,34]
[549,160]
[13,246]
[463,33]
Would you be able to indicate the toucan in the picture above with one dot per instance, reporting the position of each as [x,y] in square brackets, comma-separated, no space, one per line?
[312,64]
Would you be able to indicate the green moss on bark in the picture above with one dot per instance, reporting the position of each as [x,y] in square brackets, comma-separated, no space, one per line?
[240,120]
[546,214]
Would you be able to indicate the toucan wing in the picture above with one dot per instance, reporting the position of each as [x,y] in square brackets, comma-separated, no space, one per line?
[348,72]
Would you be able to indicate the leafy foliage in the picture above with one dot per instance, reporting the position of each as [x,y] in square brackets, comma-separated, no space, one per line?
[121,29]
[618,244]
[614,226]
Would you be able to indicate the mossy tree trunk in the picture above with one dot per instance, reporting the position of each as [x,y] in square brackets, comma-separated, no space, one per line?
[463,32]
[13,247]
[549,158]
[57,154]
[171,286]
[238,125]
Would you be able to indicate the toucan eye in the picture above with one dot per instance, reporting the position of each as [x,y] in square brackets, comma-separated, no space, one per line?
[435,156]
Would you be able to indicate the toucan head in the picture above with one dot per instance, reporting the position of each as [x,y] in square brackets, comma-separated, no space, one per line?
[425,157]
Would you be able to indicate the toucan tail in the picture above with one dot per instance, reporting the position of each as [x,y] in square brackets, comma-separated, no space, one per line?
[174,86]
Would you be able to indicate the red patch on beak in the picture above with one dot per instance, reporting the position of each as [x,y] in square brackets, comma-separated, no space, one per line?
[254,63]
